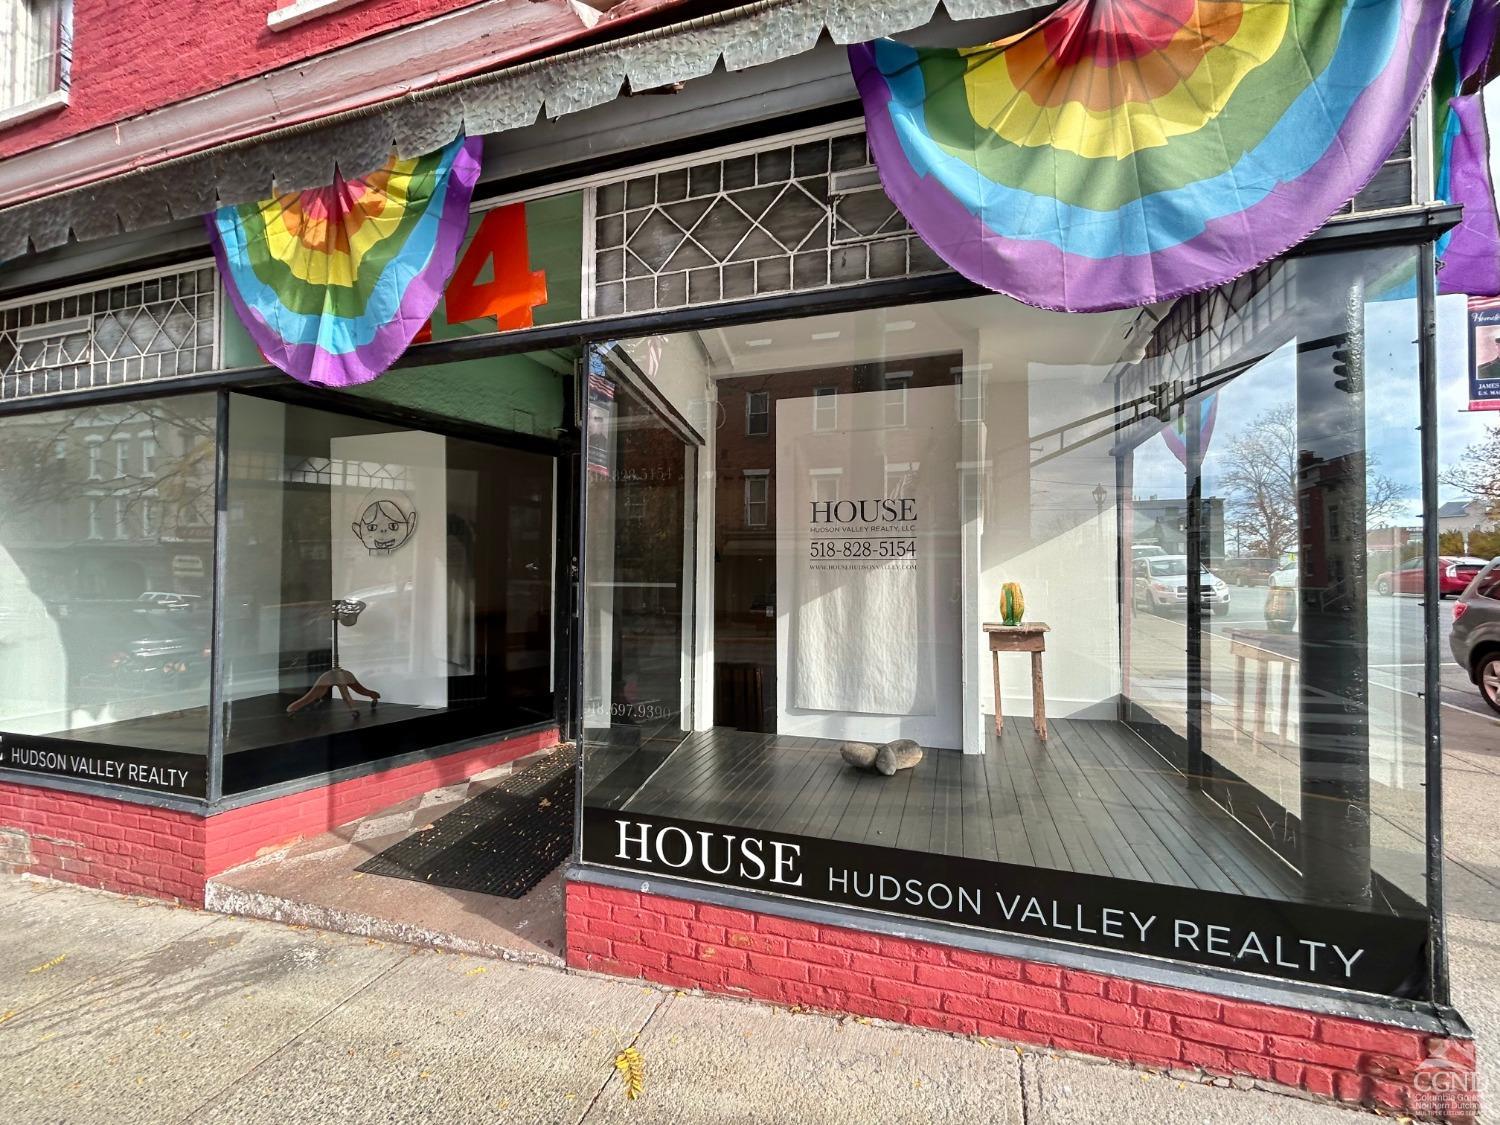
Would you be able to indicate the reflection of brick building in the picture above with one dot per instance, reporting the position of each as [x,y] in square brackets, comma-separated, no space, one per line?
[745,506]
[109,503]
[1326,559]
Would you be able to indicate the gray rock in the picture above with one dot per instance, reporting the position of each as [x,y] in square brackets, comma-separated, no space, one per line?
[901,754]
[860,755]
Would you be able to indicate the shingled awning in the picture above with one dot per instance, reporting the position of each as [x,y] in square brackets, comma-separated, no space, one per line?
[305,156]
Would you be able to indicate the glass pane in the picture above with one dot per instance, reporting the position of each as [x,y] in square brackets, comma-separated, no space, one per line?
[106,566]
[639,581]
[387,589]
[1005,645]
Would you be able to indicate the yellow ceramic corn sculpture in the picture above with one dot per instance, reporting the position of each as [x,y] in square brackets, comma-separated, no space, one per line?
[1012,604]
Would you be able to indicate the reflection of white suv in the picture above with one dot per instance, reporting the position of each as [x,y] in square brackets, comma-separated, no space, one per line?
[1161,585]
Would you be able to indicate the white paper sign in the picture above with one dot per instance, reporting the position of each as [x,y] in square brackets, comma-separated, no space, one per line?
[868,568]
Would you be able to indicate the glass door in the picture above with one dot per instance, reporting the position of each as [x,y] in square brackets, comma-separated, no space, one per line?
[640,499]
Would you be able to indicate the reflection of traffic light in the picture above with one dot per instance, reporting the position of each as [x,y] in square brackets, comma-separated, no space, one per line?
[1343,374]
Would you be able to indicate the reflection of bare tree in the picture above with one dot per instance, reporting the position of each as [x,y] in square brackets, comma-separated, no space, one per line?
[1258,476]
[1476,472]
[44,464]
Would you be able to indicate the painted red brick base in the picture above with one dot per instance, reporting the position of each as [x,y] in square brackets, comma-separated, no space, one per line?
[164,853]
[696,945]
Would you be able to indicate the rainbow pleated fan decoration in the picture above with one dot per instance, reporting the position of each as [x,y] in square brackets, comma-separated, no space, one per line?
[1201,413]
[1470,253]
[1122,152]
[333,284]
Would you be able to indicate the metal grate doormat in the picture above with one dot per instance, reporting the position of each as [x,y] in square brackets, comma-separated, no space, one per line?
[503,842]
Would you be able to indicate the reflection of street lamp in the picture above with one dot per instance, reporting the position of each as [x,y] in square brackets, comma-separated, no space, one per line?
[1100,495]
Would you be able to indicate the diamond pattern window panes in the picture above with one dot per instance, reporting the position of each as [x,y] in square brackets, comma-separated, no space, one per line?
[809,216]
[161,327]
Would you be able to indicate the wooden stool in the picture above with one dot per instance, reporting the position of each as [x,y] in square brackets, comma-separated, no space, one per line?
[1032,638]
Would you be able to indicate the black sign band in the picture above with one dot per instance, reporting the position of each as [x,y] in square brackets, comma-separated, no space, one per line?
[1368,952]
[156,770]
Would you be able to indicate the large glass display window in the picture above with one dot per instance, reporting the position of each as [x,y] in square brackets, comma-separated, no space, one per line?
[106,571]
[1052,624]
[386,589]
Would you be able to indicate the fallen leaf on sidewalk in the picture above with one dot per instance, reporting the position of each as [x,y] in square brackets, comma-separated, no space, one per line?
[632,1070]
[476,970]
[52,964]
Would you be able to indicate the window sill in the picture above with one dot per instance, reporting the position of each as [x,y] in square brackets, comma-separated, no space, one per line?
[300,11]
[37,107]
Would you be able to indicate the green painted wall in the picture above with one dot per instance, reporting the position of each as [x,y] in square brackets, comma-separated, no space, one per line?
[522,393]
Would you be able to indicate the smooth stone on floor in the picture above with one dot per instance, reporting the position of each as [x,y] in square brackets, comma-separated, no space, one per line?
[860,755]
[901,754]
[444,1037]
[709,1059]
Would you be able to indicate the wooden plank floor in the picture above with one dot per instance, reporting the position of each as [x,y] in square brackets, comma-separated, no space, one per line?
[1094,799]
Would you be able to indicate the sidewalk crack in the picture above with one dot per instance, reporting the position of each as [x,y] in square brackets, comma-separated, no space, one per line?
[198,1111]
[666,999]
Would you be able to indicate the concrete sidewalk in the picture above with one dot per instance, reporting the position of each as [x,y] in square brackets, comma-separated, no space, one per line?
[115,1010]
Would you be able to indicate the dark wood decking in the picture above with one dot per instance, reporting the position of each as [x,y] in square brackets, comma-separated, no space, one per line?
[1093,798]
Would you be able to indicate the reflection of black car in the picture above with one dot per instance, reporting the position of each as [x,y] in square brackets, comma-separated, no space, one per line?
[135,647]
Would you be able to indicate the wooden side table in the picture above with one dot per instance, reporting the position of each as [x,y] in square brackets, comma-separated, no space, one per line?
[1028,637]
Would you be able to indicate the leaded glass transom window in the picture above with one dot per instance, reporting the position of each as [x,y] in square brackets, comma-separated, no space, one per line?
[802,216]
[138,331]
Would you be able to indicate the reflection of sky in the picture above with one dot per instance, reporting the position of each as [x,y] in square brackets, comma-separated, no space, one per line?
[1391,401]
[1391,404]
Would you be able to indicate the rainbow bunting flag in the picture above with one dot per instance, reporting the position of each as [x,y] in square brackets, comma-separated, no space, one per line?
[332,284]
[1201,413]
[1470,253]
[1122,152]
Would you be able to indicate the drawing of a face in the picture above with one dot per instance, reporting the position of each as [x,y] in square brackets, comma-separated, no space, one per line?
[384,526]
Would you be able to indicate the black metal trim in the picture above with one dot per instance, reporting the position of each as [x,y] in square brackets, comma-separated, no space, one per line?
[107,789]
[138,392]
[364,769]
[217,714]
[1436,1019]
[1437,945]
[1419,223]
[375,410]
[576,587]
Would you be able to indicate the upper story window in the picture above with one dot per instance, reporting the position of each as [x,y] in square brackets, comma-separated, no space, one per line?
[35,40]
[758,413]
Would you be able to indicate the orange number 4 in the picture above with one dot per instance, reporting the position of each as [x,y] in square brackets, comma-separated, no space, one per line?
[516,288]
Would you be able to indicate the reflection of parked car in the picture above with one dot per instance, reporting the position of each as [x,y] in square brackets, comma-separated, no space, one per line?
[134,647]
[1246,571]
[1161,585]
[1475,641]
[166,599]
[1454,575]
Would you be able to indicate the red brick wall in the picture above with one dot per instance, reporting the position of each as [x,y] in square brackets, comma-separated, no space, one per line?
[695,945]
[162,853]
[99,842]
[130,56]
[241,834]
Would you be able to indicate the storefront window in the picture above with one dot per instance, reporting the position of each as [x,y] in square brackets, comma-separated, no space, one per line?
[387,589]
[1215,755]
[106,565]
